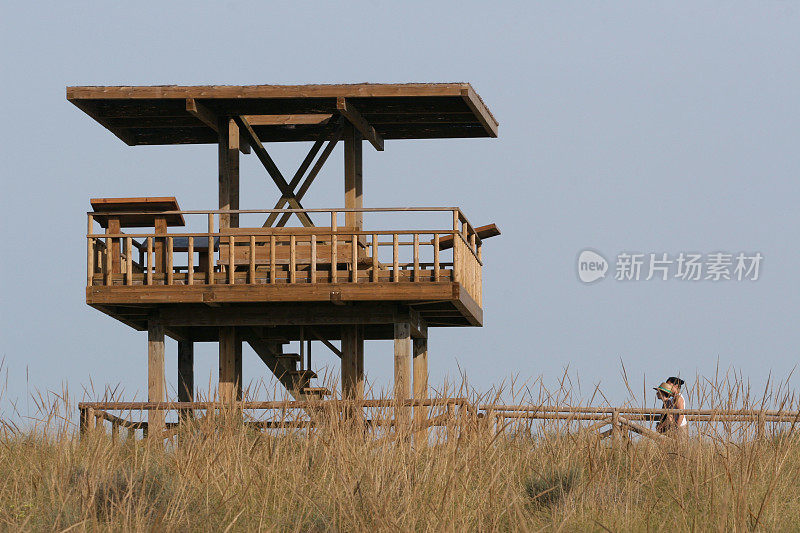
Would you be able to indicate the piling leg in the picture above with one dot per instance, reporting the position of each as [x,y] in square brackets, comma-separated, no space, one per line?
[185,375]
[420,367]
[353,367]
[156,381]
[402,374]
[230,365]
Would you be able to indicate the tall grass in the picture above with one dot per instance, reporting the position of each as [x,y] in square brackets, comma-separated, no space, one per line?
[220,475]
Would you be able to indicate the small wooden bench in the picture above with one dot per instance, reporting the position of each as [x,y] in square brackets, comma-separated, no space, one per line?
[283,237]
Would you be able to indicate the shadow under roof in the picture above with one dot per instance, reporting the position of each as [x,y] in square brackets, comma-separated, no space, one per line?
[172,114]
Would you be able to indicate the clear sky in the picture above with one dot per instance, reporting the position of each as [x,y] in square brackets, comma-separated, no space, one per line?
[635,126]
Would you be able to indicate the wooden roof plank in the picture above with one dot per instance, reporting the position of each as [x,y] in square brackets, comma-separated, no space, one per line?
[162,114]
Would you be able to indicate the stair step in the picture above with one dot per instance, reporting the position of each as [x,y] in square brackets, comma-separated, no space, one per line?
[316,391]
[308,374]
[294,356]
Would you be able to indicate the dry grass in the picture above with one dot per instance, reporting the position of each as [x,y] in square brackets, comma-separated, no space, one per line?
[341,478]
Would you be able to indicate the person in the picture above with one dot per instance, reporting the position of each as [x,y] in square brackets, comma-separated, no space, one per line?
[669,393]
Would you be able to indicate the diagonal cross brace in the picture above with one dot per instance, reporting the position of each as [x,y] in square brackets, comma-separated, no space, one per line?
[333,138]
[313,174]
[272,169]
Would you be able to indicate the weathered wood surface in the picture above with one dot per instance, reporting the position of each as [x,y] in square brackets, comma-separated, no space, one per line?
[181,114]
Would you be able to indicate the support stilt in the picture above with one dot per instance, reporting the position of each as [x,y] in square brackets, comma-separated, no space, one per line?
[402,372]
[230,364]
[353,363]
[353,176]
[420,366]
[156,379]
[186,374]
[228,172]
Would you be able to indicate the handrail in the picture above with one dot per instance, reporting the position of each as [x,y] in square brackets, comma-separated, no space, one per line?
[266,405]
[267,211]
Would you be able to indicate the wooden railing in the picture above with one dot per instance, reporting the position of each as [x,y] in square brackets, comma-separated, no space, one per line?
[221,255]
[275,414]
[746,423]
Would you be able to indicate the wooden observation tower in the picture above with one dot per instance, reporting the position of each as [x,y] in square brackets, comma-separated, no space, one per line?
[231,276]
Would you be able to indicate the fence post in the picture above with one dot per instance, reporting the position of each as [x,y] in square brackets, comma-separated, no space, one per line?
[615,429]
[762,423]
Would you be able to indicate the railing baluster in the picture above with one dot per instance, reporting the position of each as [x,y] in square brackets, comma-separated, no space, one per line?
[252,269]
[90,254]
[334,265]
[313,258]
[170,261]
[292,259]
[354,258]
[107,261]
[416,257]
[375,265]
[210,255]
[436,262]
[231,260]
[395,259]
[190,262]
[150,260]
[272,263]
[129,260]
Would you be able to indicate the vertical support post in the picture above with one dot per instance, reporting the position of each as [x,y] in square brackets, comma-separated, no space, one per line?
[334,264]
[350,377]
[292,259]
[375,265]
[273,266]
[230,364]
[210,254]
[160,245]
[128,261]
[360,361]
[150,262]
[231,259]
[353,365]
[90,253]
[228,172]
[313,271]
[616,434]
[395,259]
[436,261]
[190,261]
[416,258]
[186,374]
[156,380]
[114,244]
[402,373]
[353,177]
[761,430]
[252,266]
[420,385]
[170,252]
[354,258]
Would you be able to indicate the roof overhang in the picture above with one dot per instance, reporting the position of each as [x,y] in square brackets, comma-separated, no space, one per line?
[174,114]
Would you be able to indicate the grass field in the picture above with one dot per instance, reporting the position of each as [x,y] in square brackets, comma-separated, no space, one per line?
[226,477]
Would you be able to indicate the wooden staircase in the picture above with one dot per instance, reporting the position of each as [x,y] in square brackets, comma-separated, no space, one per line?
[285,366]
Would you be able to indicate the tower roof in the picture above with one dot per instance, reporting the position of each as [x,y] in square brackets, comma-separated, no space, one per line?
[173,114]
